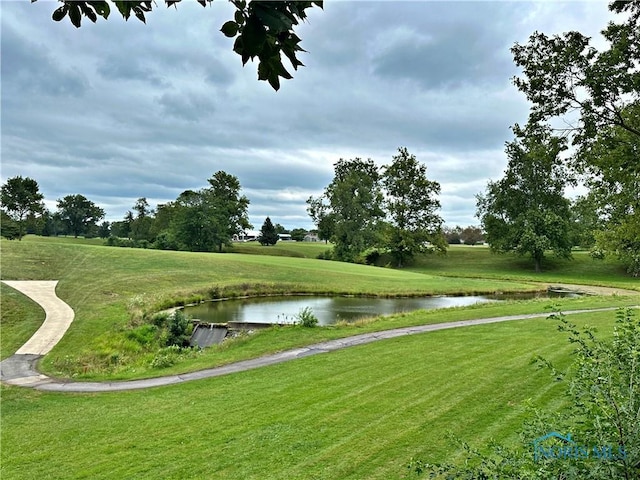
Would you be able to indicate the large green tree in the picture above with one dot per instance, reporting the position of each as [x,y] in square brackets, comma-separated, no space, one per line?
[79,214]
[230,207]
[597,94]
[20,197]
[411,203]
[525,211]
[612,162]
[262,29]
[192,224]
[354,197]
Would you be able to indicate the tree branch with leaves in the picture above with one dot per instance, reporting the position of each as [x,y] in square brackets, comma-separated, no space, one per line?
[262,29]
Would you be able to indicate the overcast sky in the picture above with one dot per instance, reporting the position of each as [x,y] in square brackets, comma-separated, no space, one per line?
[120,110]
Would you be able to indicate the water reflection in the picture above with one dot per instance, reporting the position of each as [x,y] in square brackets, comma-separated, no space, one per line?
[329,310]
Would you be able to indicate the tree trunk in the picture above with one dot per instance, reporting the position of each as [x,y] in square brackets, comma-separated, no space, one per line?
[538,262]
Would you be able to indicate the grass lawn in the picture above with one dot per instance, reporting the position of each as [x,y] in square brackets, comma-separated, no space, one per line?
[352,414]
[358,413]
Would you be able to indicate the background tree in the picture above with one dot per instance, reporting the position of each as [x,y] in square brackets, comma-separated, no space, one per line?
[262,29]
[471,235]
[120,229]
[230,209]
[452,235]
[298,234]
[280,229]
[268,233]
[20,197]
[192,223]
[355,199]
[525,211]
[104,230]
[411,204]
[79,214]
[53,224]
[8,227]
[322,217]
[207,219]
[140,227]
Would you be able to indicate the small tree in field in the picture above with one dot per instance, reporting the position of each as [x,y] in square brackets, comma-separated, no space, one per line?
[268,233]
[471,235]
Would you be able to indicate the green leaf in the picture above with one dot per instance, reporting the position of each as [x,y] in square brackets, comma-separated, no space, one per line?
[59,13]
[254,36]
[230,29]
[91,15]
[74,15]
[272,18]
[101,7]
[239,17]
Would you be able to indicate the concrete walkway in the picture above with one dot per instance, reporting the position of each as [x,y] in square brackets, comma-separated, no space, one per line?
[20,369]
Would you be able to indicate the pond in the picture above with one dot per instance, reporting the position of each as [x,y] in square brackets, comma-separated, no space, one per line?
[331,309]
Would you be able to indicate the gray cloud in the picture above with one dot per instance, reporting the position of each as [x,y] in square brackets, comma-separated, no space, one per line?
[120,110]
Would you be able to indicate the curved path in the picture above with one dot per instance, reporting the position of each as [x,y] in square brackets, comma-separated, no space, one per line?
[20,369]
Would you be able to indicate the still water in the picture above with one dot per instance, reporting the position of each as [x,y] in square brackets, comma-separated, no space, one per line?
[328,310]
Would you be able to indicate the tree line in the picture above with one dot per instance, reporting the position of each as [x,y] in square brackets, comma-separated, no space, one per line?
[198,220]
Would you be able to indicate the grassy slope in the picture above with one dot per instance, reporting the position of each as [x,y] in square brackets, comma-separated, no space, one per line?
[480,262]
[358,413]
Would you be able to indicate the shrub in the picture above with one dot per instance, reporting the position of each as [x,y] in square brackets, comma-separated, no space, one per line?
[326,255]
[166,357]
[179,329]
[306,318]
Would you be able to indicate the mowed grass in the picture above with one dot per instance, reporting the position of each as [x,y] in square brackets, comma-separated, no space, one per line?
[480,262]
[358,413]
[362,412]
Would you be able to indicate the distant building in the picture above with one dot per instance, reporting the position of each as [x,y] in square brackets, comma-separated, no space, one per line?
[247,236]
[311,237]
[285,237]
